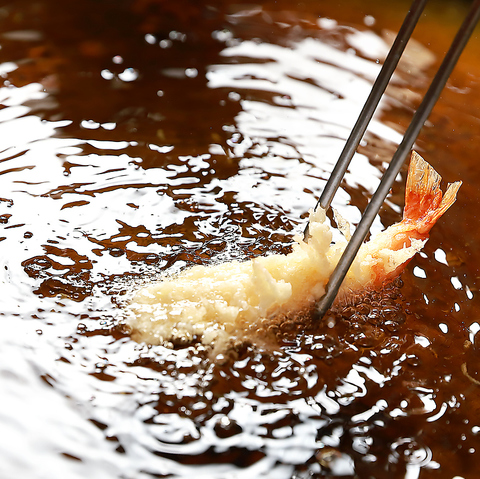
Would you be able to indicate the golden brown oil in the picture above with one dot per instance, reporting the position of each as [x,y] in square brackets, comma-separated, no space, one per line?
[140,137]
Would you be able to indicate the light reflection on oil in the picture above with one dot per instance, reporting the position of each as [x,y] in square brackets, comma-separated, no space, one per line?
[98,197]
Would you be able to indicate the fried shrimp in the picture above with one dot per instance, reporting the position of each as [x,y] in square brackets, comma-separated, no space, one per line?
[207,303]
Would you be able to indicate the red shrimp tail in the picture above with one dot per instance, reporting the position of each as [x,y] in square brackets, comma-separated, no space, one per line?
[424,200]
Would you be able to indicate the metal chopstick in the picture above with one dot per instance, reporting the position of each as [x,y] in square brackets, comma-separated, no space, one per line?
[396,163]
[370,106]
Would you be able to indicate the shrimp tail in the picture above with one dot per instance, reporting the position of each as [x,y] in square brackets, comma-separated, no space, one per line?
[394,247]
[424,200]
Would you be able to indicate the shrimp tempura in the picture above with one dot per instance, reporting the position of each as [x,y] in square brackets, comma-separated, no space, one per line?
[209,303]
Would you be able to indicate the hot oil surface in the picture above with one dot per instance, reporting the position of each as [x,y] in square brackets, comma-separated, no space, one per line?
[142,137]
